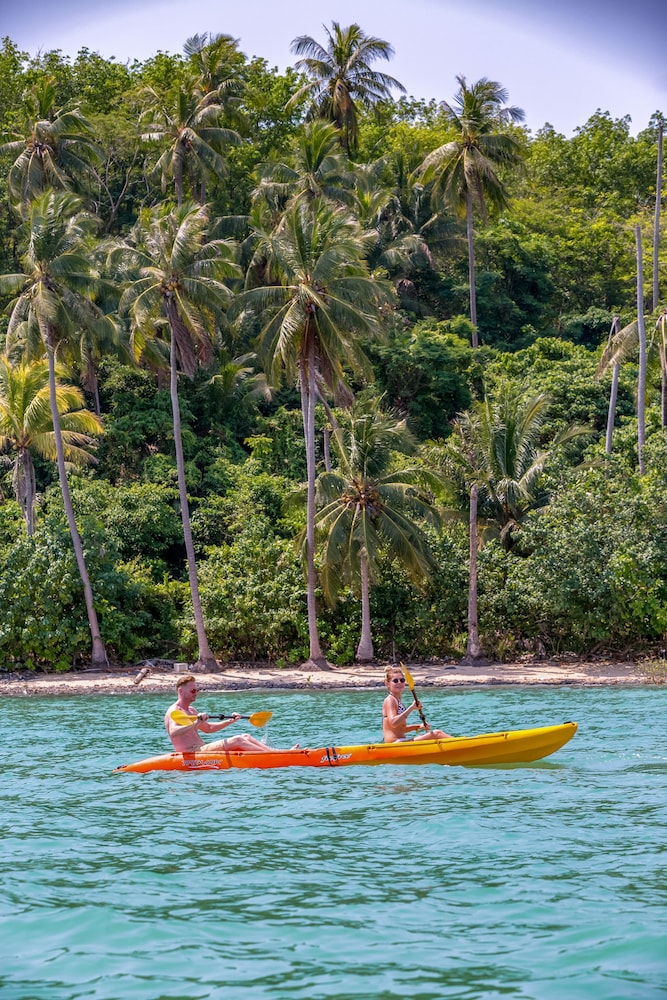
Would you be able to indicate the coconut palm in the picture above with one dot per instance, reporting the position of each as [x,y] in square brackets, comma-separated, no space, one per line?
[323,305]
[26,427]
[57,150]
[188,122]
[367,509]
[465,170]
[341,77]
[176,289]
[495,464]
[397,246]
[217,63]
[53,303]
[317,168]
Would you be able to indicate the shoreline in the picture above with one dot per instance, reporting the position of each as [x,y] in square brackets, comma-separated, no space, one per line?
[160,679]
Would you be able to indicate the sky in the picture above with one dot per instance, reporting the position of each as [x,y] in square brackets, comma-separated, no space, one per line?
[560,60]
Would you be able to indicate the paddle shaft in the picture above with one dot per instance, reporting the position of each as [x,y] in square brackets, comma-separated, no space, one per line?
[182,718]
[229,716]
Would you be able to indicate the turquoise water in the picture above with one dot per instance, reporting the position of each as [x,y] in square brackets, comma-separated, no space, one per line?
[545,881]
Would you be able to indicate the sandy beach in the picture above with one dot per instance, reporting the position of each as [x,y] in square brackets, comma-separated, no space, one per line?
[159,678]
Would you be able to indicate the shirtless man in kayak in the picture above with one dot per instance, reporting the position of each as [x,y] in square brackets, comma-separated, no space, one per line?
[395,715]
[187,738]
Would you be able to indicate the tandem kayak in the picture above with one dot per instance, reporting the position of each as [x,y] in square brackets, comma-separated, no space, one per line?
[516,746]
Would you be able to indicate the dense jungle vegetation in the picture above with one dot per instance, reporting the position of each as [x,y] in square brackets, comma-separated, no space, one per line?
[295,366]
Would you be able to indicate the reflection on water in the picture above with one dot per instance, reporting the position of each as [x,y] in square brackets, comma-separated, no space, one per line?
[545,881]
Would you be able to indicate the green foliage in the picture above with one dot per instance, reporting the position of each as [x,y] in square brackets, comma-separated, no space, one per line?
[241,491]
[596,576]
[566,372]
[554,267]
[140,519]
[254,597]
[138,422]
[601,167]
[424,374]
[43,623]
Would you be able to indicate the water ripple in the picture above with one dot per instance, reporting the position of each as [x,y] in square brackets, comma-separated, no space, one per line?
[540,882]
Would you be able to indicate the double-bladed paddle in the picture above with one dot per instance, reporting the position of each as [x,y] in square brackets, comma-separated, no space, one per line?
[182,718]
[411,684]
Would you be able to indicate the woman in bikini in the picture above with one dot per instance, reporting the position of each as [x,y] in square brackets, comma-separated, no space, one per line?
[395,715]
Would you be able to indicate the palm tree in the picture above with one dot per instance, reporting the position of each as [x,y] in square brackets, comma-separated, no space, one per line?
[367,510]
[217,63]
[465,170]
[26,426]
[341,75]
[58,148]
[322,304]
[188,121]
[495,465]
[177,289]
[397,245]
[53,305]
[318,169]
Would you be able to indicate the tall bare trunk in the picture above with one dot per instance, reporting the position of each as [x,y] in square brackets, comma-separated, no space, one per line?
[99,655]
[641,331]
[308,391]
[473,648]
[327,431]
[24,487]
[205,655]
[471,270]
[365,650]
[178,178]
[662,323]
[656,222]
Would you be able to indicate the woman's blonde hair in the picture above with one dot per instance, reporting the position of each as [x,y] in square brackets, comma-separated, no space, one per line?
[390,671]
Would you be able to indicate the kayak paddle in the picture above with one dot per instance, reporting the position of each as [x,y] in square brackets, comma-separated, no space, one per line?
[411,684]
[182,718]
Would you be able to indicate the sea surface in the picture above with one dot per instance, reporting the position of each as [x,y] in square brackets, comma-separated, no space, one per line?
[545,881]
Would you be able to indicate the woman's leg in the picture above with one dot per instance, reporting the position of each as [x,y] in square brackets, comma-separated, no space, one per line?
[434,734]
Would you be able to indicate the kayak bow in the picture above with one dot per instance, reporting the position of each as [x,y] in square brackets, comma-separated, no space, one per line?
[517,746]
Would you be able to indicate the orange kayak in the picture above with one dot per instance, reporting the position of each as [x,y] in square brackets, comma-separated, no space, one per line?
[516,746]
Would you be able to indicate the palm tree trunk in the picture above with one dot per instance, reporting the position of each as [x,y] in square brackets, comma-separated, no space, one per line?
[99,655]
[178,179]
[662,323]
[205,656]
[365,650]
[308,390]
[471,270]
[473,648]
[641,330]
[28,474]
[656,223]
[327,431]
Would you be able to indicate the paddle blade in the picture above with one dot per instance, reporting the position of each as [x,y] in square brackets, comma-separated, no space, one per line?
[259,718]
[409,678]
[182,718]
[411,684]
